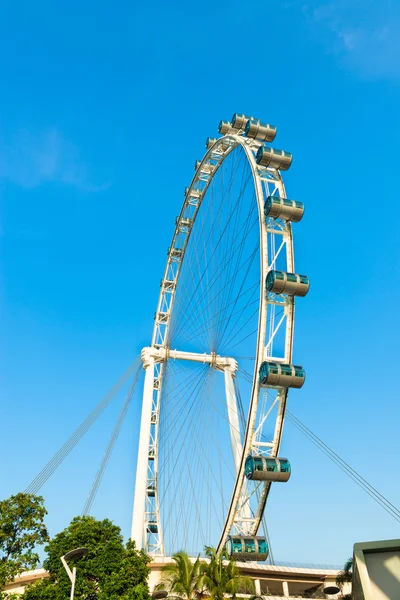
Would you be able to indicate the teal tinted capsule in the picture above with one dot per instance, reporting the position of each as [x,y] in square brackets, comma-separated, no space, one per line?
[243,548]
[281,375]
[260,131]
[292,284]
[276,159]
[282,208]
[152,527]
[239,121]
[210,142]
[266,468]
[224,127]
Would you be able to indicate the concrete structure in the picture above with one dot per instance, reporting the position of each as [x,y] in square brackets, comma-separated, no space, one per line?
[271,581]
[376,570]
[26,578]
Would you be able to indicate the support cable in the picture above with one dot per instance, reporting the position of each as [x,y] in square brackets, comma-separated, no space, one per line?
[110,446]
[345,467]
[66,448]
[342,464]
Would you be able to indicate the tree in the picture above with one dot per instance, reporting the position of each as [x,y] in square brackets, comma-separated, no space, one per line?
[109,571]
[21,530]
[345,576]
[182,578]
[222,578]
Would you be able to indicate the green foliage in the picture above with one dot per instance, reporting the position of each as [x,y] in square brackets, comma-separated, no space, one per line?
[182,578]
[21,531]
[345,576]
[110,570]
[222,578]
[218,579]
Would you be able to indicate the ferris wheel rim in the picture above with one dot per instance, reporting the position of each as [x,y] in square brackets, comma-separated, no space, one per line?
[234,141]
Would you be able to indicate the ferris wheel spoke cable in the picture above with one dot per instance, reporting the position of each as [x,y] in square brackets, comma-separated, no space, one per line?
[216,295]
[193,395]
[199,445]
[222,336]
[212,255]
[172,457]
[215,280]
[248,335]
[167,431]
[110,446]
[235,265]
[222,266]
[195,280]
[204,460]
[254,288]
[68,446]
[253,314]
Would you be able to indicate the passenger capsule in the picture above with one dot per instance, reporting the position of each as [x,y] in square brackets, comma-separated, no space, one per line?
[224,127]
[151,491]
[152,527]
[277,159]
[210,142]
[260,131]
[282,375]
[265,468]
[292,284]
[247,548]
[239,121]
[282,208]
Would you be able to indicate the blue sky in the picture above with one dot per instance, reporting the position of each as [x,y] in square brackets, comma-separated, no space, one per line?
[103,109]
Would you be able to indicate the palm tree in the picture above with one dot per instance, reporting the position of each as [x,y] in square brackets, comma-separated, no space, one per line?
[345,576]
[221,577]
[182,578]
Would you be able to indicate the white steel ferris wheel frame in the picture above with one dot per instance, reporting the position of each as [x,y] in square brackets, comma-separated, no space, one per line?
[146,521]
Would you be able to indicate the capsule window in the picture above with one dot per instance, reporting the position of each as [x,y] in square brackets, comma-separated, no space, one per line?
[279,275]
[303,279]
[273,368]
[276,200]
[286,370]
[287,154]
[236,545]
[262,547]
[285,466]
[272,467]
[249,545]
[299,205]
[299,371]
[258,464]
[291,277]
[287,202]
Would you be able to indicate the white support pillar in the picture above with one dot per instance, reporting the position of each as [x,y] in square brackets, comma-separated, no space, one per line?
[285,589]
[143,456]
[257,587]
[233,418]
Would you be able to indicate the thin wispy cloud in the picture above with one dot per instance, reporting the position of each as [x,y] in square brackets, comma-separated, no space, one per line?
[364,36]
[31,159]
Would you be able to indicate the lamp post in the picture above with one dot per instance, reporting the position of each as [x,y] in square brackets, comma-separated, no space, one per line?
[77,553]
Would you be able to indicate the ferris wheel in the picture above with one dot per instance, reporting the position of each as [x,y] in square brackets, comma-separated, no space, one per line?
[219,367]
